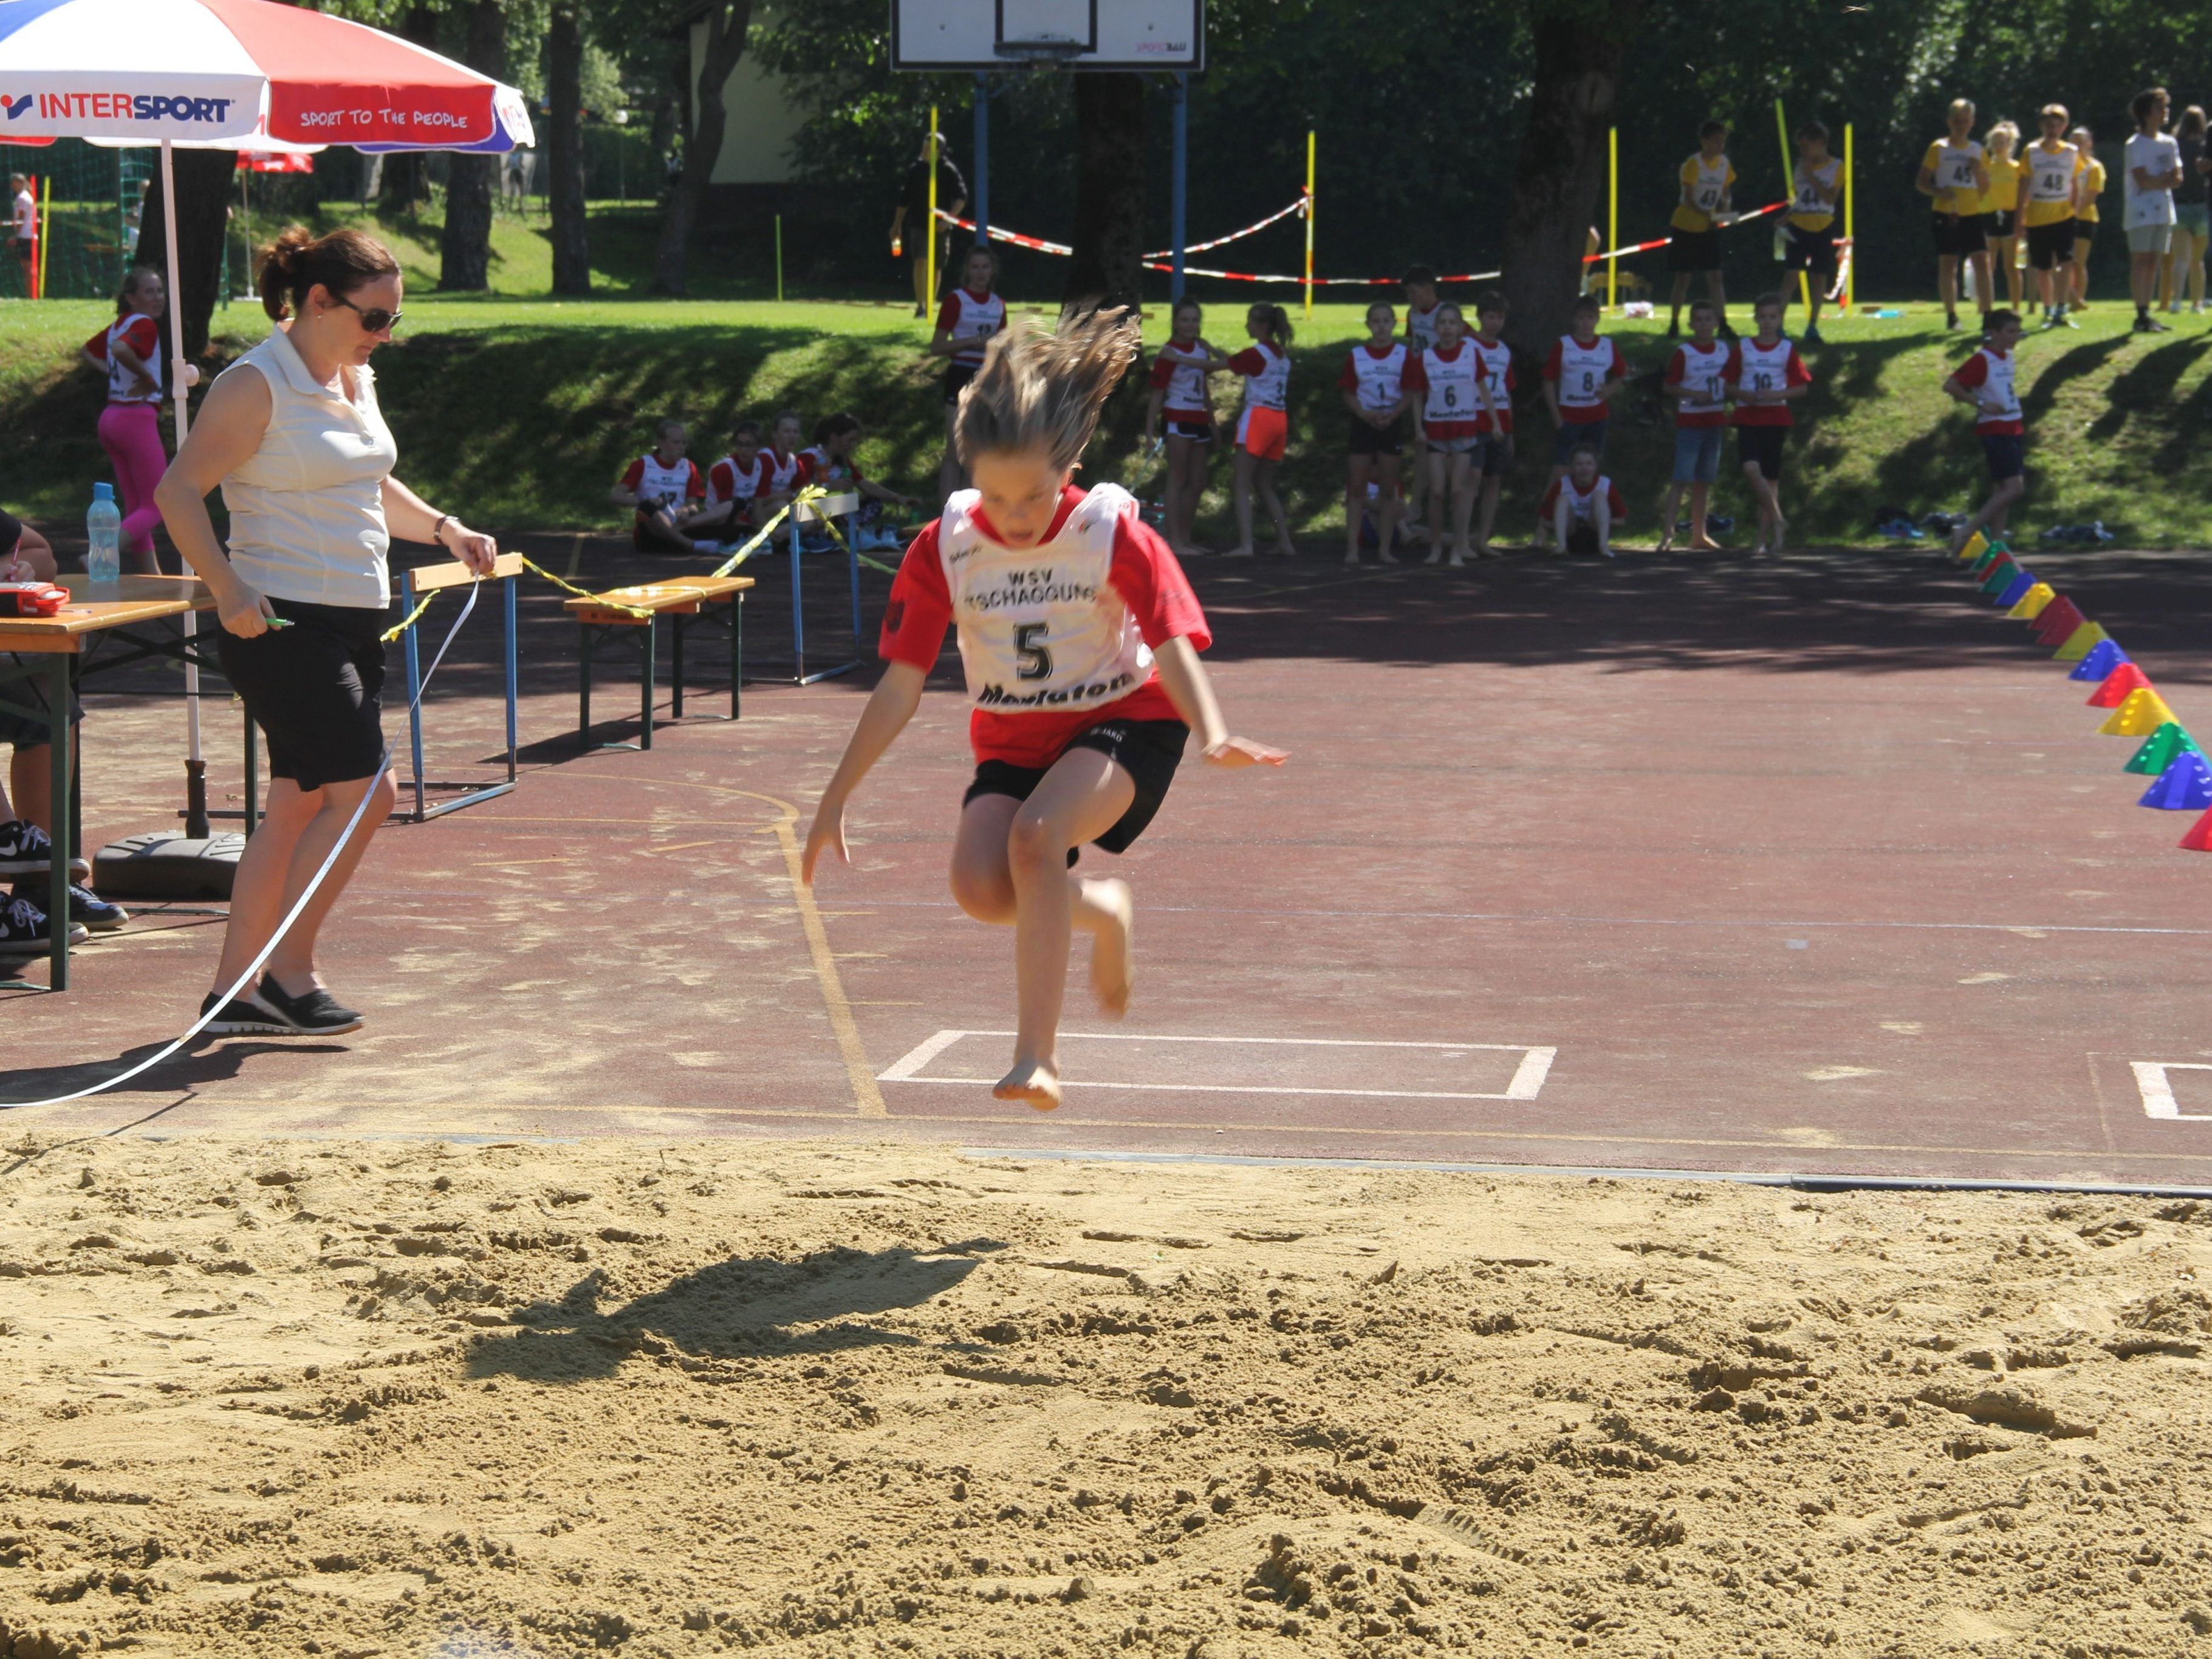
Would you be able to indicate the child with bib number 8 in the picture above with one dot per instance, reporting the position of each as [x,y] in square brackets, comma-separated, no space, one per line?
[1079,635]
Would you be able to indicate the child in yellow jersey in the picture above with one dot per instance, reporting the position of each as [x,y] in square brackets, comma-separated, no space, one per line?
[2086,189]
[2001,207]
[1954,174]
[2050,171]
[1708,183]
[1809,234]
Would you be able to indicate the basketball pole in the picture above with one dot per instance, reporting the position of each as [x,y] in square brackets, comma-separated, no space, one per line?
[929,230]
[982,159]
[1179,101]
[1851,196]
[1789,184]
[1310,220]
[1613,217]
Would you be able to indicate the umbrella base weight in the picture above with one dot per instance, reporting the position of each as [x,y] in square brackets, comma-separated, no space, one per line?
[168,866]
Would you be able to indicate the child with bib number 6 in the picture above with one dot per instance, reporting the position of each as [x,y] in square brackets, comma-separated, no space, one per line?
[1079,635]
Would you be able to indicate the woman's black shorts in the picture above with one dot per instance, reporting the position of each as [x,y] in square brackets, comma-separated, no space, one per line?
[2000,224]
[315,690]
[1148,751]
[1761,446]
[1694,250]
[1368,440]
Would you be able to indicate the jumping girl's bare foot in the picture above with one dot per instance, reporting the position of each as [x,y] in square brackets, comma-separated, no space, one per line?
[1030,1080]
[1113,947]
[1704,545]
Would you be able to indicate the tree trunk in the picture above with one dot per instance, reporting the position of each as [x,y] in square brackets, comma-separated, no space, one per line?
[406,180]
[1561,166]
[564,47]
[464,250]
[203,217]
[727,24]
[1107,266]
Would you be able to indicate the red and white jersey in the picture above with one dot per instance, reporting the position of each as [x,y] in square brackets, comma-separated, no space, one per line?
[967,315]
[727,481]
[1581,505]
[652,483]
[1702,371]
[1583,369]
[1497,370]
[1451,406]
[781,473]
[1989,373]
[1376,379]
[815,467]
[1421,326]
[1267,372]
[143,336]
[1053,638]
[1754,368]
[1180,375]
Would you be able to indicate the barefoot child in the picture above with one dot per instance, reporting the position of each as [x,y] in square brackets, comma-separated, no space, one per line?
[1766,375]
[1179,401]
[1579,377]
[1496,422]
[1696,379]
[1448,380]
[1263,425]
[1985,384]
[1080,637]
[1373,387]
[1585,508]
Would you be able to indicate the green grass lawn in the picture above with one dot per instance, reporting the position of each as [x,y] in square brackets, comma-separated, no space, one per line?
[519,411]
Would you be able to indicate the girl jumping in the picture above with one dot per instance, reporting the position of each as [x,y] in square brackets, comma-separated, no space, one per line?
[1080,636]
[1179,401]
[1263,425]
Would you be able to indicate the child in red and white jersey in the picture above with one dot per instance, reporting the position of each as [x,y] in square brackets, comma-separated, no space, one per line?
[1584,506]
[781,470]
[733,485]
[1447,382]
[1179,400]
[1263,425]
[1984,383]
[1079,636]
[830,464]
[1579,377]
[1373,387]
[970,315]
[1696,379]
[1496,422]
[128,352]
[666,489]
[1766,375]
[1421,305]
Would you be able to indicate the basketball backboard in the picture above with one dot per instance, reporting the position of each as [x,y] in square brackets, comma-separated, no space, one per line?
[1082,35]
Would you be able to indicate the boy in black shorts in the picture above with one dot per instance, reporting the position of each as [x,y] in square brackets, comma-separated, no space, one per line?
[1708,183]
[1809,232]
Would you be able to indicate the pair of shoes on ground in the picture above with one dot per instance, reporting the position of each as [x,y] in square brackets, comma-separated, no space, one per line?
[269,1010]
[2147,323]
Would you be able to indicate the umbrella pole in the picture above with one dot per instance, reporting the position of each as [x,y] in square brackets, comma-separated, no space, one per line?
[195,807]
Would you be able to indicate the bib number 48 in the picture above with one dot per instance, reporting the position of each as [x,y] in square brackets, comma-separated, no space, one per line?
[1036,659]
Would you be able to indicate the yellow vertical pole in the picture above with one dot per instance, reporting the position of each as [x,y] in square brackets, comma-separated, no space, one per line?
[1309,219]
[1789,184]
[929,230]
[1613,218]
[45,229]
[1850,203]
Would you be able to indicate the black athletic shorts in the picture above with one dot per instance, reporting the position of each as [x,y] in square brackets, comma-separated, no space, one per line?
[1148,751]
[1809,250]
[2006,452]
[2049,246]
[1694,250]
[956,381]
[1761,446]
[1196,427]
[1957,235]
[2001,224]
[1372,441]
[314,689]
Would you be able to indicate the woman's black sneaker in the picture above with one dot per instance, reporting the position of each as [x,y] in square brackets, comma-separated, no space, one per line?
[95,912]
[23,929]
[245,1016]
[316,1012]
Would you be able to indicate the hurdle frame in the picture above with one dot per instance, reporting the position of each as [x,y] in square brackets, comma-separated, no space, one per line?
[822,511]
[435,578]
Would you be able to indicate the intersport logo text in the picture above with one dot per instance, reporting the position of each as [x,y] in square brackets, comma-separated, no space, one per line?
[119,107]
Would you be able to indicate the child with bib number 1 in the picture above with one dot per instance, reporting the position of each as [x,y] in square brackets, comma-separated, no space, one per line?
[1079,635]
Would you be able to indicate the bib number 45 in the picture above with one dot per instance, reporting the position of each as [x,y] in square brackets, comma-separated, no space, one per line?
[1036,659]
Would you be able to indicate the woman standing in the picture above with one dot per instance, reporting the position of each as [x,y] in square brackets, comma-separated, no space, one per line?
[129,352]
[2089,185]
[2000,209]
[292,433]
[2192,215]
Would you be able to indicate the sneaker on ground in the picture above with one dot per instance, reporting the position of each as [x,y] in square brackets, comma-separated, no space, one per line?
[25,851]
[24,931]
[94,911]
[246,1016]
[316,1012]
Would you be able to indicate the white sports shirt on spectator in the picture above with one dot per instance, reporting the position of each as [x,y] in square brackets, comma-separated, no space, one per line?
[2157,154]
[26,216]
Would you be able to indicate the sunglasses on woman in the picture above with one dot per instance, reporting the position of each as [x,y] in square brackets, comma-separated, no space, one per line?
[374,319]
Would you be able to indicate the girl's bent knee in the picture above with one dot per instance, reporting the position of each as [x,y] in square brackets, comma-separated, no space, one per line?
[1034,842]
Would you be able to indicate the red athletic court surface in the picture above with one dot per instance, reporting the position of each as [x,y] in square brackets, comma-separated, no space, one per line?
[1812,865]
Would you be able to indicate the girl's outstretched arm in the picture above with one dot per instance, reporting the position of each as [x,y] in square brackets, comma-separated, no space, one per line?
[1191,693]
[890,706]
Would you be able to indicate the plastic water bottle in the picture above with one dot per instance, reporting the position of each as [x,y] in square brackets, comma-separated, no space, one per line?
[103,529]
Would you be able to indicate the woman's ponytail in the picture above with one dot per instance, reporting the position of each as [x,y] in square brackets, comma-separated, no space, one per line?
[298,260]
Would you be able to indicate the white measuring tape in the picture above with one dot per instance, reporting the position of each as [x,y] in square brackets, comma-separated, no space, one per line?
[291,917]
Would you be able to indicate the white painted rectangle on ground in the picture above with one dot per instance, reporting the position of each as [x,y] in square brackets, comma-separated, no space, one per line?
[1248,1066]
[2157,1086]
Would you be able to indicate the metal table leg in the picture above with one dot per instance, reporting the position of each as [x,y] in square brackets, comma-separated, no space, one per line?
[63,829]
[676,659]
[414,689]
[736,648]
[798,610]
[650,645]
[584,681]
[513,686]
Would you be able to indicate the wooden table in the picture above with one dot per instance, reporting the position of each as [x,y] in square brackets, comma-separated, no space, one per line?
[60,640]
[638,610]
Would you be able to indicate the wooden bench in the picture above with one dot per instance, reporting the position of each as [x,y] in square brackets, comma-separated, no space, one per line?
[635,614]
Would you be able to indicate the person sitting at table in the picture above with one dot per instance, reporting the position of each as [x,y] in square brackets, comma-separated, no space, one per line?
[292,433]
[25,851]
